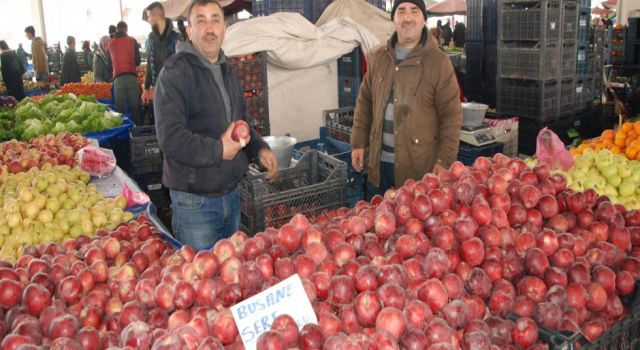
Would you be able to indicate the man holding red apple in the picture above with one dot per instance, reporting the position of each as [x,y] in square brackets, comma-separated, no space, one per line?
[202,132]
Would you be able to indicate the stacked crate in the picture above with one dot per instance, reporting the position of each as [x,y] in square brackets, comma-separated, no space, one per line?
[537,51]
[146,164]
[252,72]
[617,47]
[349,78]
[310,9]
[480,49]
[54,59]
[632,43]
[584,57]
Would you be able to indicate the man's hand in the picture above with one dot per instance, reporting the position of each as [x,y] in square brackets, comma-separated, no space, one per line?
[269,161]
[438,168]
[147,95]
[229,147]
[357,159]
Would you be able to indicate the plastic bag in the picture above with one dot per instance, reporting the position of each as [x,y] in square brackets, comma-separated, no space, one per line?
[97,161]
[551,150]
[134,198]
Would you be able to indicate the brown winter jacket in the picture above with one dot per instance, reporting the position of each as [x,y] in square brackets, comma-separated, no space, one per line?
[427,109]
[39,52]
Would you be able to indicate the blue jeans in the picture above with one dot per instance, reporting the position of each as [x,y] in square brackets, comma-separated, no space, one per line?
[201,221]
[387,180]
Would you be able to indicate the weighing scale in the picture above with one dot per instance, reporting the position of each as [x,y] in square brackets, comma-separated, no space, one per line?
[477,135]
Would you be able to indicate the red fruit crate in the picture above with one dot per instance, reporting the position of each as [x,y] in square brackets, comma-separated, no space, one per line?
[316,183]
[252,73]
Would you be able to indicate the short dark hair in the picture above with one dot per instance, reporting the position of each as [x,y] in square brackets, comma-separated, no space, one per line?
[122,26]
[30,30]
[155,5]
[4,45]
[112,29]
[70,40]
[195,3]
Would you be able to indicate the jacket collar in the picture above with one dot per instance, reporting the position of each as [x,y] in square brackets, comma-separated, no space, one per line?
[167,29]
[120,34]
[185,48]
[426,45]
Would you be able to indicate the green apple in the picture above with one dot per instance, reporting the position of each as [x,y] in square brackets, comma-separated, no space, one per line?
[614,180]
[627,188]
[608,171]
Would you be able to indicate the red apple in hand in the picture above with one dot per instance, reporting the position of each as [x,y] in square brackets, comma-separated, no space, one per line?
[240,132]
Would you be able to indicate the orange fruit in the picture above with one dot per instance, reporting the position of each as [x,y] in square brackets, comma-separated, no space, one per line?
[626,126]
[616,150]
[636,127]
[608,134]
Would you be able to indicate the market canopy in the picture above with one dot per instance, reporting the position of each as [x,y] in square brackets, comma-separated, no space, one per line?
[610,4]
[448,7]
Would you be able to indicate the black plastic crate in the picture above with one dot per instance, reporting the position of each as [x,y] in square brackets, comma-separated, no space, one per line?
[529,60]
[481,21]
[537,99]
[567,95]
[351,63]
[633,28]
[569,20]
[338,123]
[580,98]
[528,130]
[474,52]
[531,21]
[312,186]
[317,7]
[268,7]
[467,153]
[348,89]
[151,184]
[568,58]
[121,150]
[252,73]
[584,25]
[582,62]
[145,155]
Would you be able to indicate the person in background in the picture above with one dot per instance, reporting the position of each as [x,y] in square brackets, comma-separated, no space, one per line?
[447,34]
[112,31]
[12,71]
[125,57]
[70,67]
[160,45]
[459,34]
[88,55]
[38,53]
[23,57]
[197,99]
[102,69]
[408,112]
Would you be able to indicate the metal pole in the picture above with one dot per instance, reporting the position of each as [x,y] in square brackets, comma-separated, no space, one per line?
[120,3]
[39,17]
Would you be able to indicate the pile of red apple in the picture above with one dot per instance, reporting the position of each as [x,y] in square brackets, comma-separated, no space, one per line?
[21,156]
[446,262]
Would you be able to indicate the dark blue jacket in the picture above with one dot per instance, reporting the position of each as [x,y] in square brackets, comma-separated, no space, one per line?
[159,47]
[190,117]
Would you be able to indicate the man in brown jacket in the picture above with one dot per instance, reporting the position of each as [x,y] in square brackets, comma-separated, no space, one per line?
[39,54]
[408,111]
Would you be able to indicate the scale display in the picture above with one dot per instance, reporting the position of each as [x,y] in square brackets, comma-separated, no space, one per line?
[477,136]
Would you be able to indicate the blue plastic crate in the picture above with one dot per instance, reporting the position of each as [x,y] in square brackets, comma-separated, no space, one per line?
[268,7]
[467,154]
[482,20]
[348,89]
[582,64]
[584,26]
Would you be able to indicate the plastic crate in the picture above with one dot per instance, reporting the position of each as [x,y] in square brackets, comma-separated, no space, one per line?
[252,73]
[351,63]
[582,63]
[529,60]
[569,20]
[482,21]
[528,130]
[268,7]
[315,184]
[567,95]
[348,89]
[151,184]
[537,99]
[580,97]
[356,181]
[584,25]
[568,58]
[145,156]
[338,123]
[531,21]
[468,153]
[474,53]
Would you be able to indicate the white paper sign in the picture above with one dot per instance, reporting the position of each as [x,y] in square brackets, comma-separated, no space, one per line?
[255,315]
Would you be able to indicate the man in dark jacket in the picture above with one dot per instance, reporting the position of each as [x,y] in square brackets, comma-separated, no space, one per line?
[125,57]
[447,34]
[70,66]
[160,45]
[459,34]
[197,98]
[12,71]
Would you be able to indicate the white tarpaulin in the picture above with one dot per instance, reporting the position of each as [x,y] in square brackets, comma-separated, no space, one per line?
[292,42]
[302,73]
[378,22]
